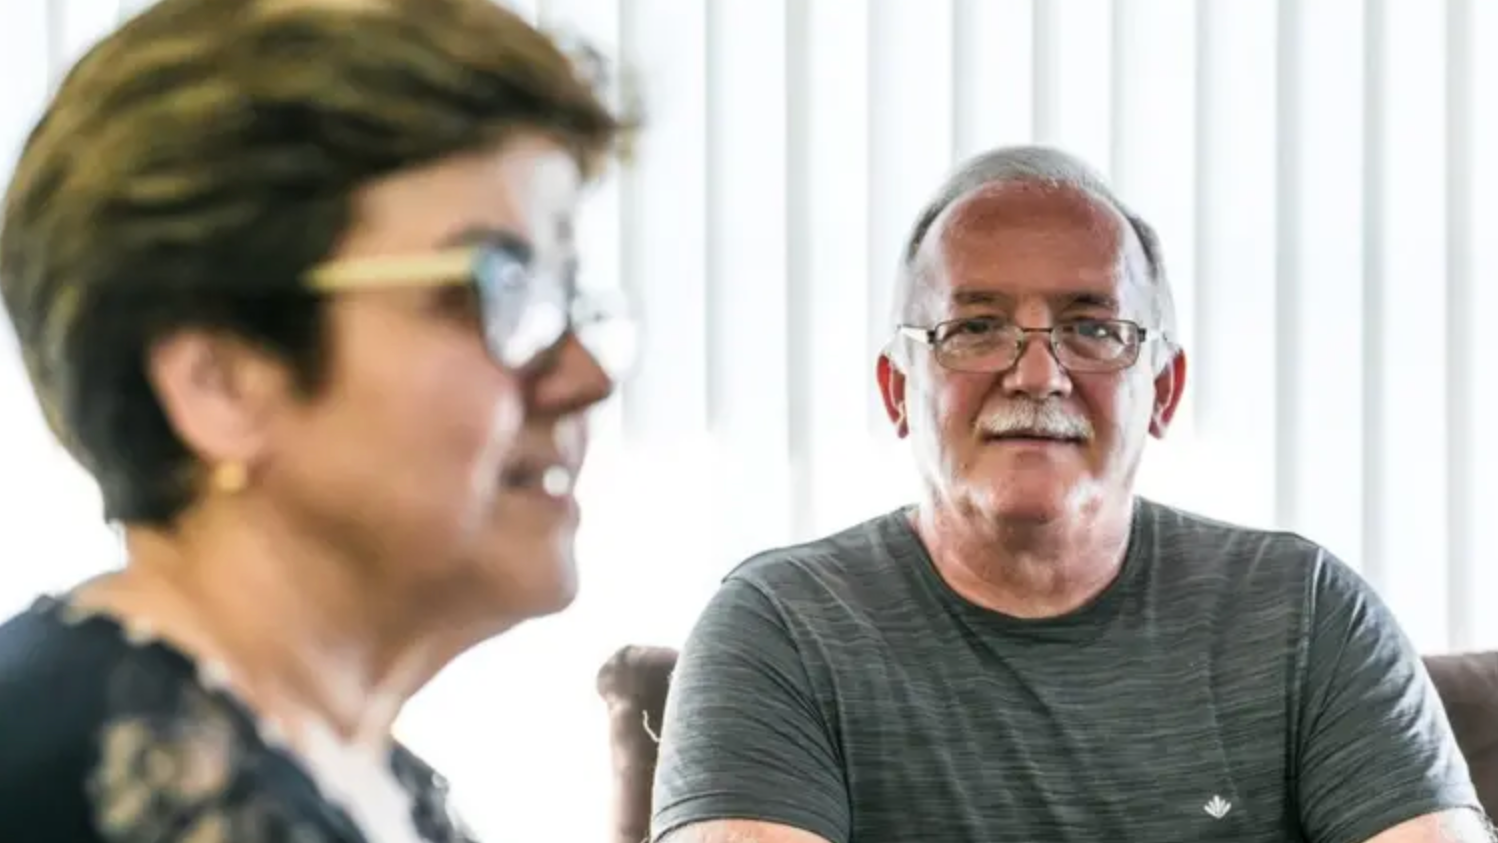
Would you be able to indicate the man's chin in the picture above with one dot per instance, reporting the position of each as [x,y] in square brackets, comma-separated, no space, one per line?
[1028,512]
[1019,501]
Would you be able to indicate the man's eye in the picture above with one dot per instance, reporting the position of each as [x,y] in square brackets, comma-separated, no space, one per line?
[1095,330]
[976,326]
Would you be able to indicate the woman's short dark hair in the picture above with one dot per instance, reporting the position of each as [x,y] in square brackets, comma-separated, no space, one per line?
[196,163]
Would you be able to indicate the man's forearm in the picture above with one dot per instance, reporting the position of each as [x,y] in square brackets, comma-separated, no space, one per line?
[741,831]
[1458,825]
[1463,825]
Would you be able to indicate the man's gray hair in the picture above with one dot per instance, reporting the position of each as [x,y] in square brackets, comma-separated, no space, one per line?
[1044,166]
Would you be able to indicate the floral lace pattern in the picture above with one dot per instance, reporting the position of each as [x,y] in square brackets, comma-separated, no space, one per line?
[180,760]
[178,776]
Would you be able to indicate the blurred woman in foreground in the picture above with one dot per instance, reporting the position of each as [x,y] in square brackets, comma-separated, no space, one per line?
[295,282]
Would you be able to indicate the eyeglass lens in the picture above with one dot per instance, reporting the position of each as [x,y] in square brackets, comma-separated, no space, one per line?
[522,317]
[528,311]
[1088,346]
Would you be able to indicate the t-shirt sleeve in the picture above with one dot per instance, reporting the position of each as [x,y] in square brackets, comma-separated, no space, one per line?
[743,736]
[1375,748]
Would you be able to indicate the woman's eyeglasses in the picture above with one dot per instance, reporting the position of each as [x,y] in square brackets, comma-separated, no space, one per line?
[526,312]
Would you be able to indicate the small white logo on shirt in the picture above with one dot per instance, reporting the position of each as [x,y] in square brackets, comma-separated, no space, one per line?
[1217,808]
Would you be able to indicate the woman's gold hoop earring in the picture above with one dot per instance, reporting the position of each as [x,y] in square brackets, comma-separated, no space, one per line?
[230,478]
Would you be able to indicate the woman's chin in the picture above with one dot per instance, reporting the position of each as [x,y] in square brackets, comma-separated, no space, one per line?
[541,582]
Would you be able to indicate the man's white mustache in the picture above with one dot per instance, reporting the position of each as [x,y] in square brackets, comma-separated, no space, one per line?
[1046,419]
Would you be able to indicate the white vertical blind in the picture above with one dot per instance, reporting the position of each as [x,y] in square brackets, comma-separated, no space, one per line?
[1319,222]
[1320,172]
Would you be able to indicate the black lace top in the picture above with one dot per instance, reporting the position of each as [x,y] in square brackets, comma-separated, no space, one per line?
[108,735]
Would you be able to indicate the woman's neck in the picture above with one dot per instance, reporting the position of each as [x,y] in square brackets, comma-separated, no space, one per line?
[303,642]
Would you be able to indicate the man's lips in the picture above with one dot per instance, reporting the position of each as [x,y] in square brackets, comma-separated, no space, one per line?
[1033,436]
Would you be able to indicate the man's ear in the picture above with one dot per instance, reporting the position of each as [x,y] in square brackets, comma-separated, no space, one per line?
[217,392]
[1170,383]
[892,389]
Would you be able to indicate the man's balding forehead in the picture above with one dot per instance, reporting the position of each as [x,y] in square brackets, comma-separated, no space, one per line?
[1036,167]
[994,207]
[988,209]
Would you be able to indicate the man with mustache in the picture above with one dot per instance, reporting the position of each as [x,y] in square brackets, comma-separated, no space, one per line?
[1032,652]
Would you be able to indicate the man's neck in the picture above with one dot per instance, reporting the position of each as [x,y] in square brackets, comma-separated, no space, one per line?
[1026,570]
[303,640]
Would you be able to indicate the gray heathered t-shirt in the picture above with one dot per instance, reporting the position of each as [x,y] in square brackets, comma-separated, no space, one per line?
[1231,684]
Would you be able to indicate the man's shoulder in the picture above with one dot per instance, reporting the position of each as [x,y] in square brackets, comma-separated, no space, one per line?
[860,554]
[1279,571]
[1211,541]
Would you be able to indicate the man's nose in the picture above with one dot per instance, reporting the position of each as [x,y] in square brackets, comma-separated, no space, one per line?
[1037,373]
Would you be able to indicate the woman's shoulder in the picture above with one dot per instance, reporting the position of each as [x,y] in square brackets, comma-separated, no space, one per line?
[109,734]
[64,670]
[51,703]
[55,672]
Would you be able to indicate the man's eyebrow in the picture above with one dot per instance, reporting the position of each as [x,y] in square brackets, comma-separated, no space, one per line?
[1099,300]
[976,298]
[971,297]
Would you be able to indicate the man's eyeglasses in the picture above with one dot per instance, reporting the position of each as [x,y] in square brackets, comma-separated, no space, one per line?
[984,344]
[526,314]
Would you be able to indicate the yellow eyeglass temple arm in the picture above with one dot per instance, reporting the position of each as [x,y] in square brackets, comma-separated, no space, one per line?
[430,270]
